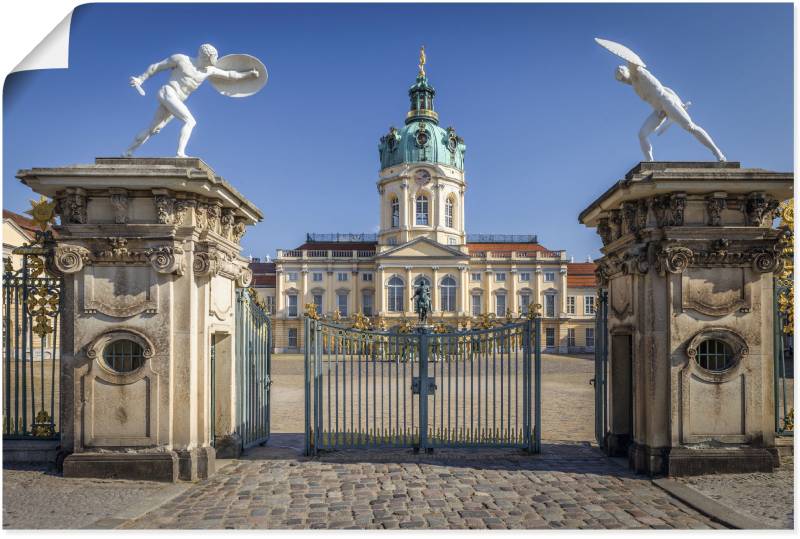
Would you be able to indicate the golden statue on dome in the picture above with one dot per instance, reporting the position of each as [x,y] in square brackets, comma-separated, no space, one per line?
[422,61]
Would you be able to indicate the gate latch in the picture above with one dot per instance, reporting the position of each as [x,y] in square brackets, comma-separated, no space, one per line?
[415,387]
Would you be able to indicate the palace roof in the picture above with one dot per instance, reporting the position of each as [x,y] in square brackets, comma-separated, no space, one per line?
[581,274]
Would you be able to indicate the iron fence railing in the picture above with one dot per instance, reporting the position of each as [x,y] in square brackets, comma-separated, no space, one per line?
[31,349]
[253,368]
[368,389]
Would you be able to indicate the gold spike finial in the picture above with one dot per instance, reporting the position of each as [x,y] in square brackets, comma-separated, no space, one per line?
[422,61]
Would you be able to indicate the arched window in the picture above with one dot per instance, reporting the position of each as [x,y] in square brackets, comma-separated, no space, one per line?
[448,294]
[395,212]
[448,212]
[422,210]
[396,287]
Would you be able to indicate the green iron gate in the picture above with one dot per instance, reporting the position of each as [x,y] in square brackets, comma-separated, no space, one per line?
[31,346]
[601,369]
[368,389]
[253,367]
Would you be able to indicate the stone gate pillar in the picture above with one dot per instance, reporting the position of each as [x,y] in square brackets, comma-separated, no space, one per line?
[689,256]
[149,249]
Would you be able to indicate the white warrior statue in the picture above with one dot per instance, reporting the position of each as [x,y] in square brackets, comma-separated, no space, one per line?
[668,107]
[235,75]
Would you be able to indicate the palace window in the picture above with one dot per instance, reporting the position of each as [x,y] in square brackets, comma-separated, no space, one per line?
[291,276]
[316,276]
[475,277]
[395,212]
[476,305]
[550,337]
[525,276]
[341,276]
[452,241]
[270,301]
[500,305]
[448,213]
[588,304]
[292,304]
[571,337]
[123,355]
[292,338]
[366,303]
[448,294]
[341,303]
[366,277]
[549,276]
[570,304]
[550,305]
[500,276]
[318,303]
[396,295]
[524,302]
[422,210]
[714,355]
[590,337]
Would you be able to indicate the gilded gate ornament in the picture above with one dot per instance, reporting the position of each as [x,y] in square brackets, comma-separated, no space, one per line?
[42,212]
[43,307]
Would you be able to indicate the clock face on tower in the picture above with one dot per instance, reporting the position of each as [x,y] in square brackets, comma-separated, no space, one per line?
[422,177]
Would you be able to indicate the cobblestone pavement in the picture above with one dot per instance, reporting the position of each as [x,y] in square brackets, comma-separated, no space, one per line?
[767,497]
[568,486]
[34,497]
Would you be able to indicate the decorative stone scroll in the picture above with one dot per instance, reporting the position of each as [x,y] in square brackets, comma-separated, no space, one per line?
[165,259]
[70,258]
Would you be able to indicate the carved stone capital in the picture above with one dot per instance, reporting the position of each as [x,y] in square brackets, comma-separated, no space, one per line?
[677,205]
[226,221]
[182,207]
[238,231]
[165,208]
[604,230]
[70,258]
[72,206]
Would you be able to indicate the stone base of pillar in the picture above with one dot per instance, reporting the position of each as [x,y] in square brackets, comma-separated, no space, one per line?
[197,463]
[161,466]
[683,461]
[617,445]
[229,446]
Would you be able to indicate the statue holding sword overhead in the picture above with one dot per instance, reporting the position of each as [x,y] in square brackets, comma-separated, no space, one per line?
[668,107]
[235,75]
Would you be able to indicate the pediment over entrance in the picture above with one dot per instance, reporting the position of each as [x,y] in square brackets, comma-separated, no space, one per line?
[422,248]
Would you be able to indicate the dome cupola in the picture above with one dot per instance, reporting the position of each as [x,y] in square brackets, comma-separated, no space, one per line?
[421,139]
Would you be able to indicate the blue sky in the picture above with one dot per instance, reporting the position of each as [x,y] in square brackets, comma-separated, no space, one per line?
[546,125]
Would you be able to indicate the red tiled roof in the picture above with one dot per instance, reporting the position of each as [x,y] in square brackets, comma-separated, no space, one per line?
[267,281]
[262,267]
[338,246]
[498,247]
[581,274]
[23,222]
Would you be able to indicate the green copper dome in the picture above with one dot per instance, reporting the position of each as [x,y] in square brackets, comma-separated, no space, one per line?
[421,139]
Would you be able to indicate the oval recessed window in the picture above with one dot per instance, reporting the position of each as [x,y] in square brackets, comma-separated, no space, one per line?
[714,355]
[123,355]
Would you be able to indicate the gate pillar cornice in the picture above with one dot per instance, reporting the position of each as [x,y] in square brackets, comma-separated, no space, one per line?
[150,253]
[689,256]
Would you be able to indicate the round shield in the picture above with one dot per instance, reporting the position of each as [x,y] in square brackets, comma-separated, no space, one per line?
[620,50]
[240,87]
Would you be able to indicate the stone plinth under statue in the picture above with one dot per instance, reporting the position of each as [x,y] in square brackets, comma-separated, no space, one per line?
[149,250]
[689,256]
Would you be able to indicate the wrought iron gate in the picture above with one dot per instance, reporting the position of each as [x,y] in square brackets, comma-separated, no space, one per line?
[31,346]
[367,389]
[601,369]
[253,367]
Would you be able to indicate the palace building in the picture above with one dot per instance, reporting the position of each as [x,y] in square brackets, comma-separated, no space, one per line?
[422,237]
